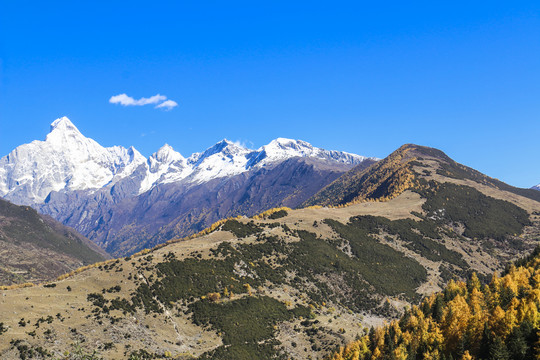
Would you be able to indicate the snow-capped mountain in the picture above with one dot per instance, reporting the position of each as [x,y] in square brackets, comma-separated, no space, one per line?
[537,187]
[228,159]
[164,166]
[281,149]
[68,161]
[124,202]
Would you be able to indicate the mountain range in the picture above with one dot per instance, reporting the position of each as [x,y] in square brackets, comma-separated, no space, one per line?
[125,202]
[69,161]
[291,283]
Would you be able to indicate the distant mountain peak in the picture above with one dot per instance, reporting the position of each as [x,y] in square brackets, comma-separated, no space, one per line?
[284,141]
[288,142]
[224,147]
[66,160]
[63,124]
[284,144]
[64,131]
[283,148]
[225,143]
[166,153]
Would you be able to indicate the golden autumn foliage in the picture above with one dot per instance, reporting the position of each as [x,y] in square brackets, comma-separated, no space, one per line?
[248,289]
[17,286]
[467,321]
[383,181]
[214,297]
[403,178]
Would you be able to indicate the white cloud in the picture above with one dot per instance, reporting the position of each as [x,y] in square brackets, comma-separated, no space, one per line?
[167,105]
[125,100]
[122,99]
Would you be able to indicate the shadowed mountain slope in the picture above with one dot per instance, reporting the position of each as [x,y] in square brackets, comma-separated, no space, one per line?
[37,248]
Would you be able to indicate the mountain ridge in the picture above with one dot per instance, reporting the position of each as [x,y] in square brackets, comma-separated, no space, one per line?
[394,174]
[69,161]
[173,210]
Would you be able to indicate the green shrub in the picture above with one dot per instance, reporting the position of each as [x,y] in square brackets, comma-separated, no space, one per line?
[245,323]
[278,214]
[241,230]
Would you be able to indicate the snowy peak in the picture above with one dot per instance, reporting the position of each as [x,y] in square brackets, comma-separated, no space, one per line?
[69,161]
[282,148]
[63,124]
[537,187]
[166,154]
[66,160]
[64,132]
[227,158]
[164,166]
[224,149]
[284,143]
[223,159]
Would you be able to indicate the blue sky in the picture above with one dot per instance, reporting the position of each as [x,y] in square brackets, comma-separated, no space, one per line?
[364,77]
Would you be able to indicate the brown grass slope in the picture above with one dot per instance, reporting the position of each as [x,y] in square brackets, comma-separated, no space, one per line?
[128,306]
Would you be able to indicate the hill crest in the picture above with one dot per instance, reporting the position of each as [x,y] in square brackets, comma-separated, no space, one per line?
[401,170]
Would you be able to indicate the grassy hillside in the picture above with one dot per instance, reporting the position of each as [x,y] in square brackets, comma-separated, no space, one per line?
[37,248]
[291,283]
